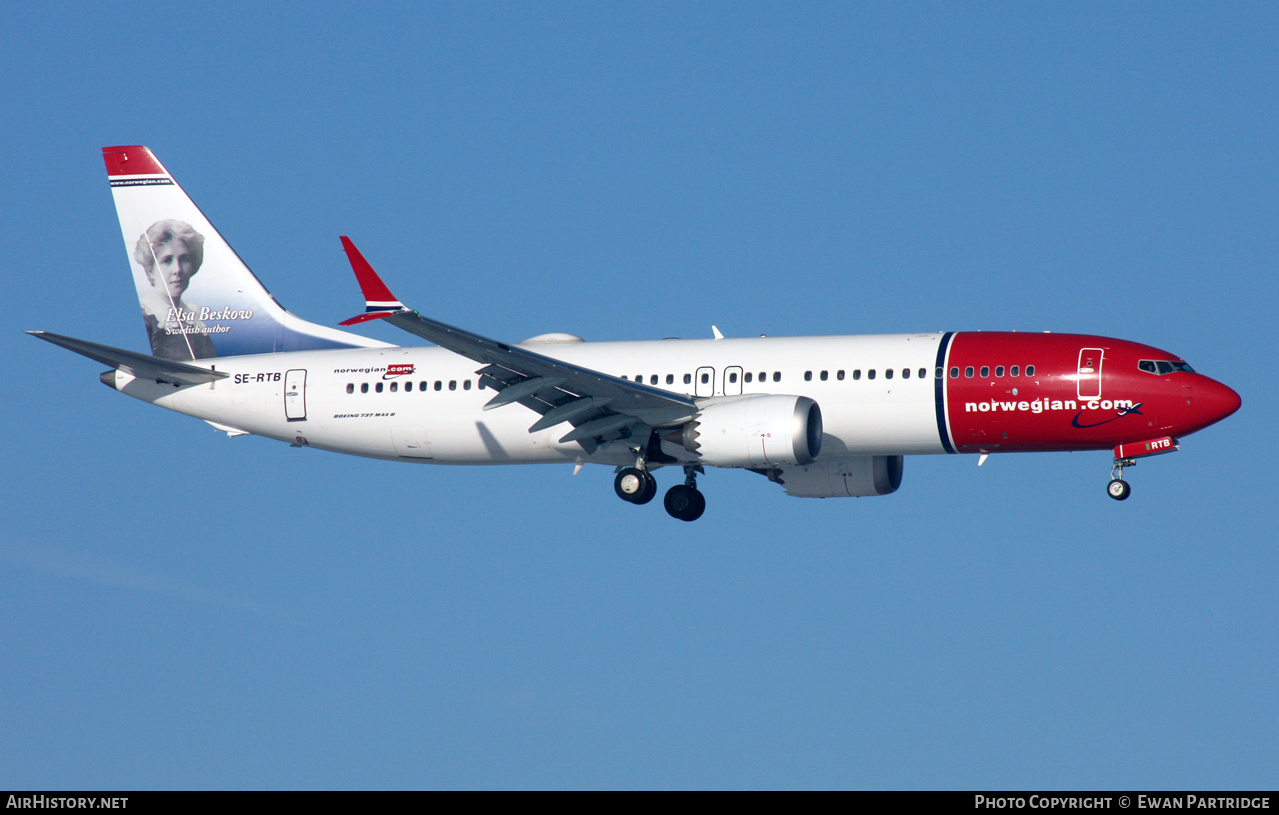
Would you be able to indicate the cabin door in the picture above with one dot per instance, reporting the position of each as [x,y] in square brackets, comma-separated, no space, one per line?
[295,396]
[1089,382]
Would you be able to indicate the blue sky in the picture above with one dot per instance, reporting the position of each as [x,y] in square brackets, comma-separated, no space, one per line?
[182,610]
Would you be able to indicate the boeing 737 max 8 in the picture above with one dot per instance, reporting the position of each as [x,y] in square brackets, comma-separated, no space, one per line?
[821,416]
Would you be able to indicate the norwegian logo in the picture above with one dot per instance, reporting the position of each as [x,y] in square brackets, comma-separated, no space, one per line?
[1122,408]
[393,371]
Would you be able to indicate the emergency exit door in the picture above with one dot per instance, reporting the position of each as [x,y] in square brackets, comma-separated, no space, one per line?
[295,396]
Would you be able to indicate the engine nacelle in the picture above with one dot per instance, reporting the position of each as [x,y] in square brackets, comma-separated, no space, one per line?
[756,431]
[844,477]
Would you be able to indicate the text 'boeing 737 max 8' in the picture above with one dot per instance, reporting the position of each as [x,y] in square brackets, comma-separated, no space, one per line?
[821,416]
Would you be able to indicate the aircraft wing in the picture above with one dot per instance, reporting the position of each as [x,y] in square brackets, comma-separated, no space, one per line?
[600,407]
[140,365]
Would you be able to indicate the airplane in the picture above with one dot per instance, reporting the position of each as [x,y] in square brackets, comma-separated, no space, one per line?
[821,416]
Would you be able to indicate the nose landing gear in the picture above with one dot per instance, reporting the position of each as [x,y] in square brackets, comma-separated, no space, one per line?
[1118,488]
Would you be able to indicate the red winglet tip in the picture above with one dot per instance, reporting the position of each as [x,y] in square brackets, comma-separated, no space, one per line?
[372,286]
[364,318]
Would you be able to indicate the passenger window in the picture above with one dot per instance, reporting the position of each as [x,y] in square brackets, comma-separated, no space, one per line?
[763,376]
[999,370]
[364,387]
[1014,371]
[439,386]
[350,387]
[870,374]
[888,374]
[748,377]
[905,373]
[985,371]
[923,373]
[968,372]
[777,376]
[840,376]
[1030,370]
[732,378]
[706,378]
[688,379]
[857,374]
[825,375]
[452,384]
[378,387]
[466,385]
[808,376]
[670,379]
[954,373]
[395,386]
[652,380]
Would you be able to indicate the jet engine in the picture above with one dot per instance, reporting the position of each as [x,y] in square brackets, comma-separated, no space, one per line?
[843,477]
[763,431]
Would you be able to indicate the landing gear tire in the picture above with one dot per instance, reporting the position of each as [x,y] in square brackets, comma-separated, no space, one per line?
[684,503]
[635,485]
[1118,489]
[650,489]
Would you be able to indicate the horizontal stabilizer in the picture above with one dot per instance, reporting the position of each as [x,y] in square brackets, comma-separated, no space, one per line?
[141,366]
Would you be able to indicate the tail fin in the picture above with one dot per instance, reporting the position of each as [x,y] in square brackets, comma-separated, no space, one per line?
[198,297]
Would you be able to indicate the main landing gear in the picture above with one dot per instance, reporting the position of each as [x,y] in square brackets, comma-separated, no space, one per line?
[683,501]
[635,485]
[1118,488]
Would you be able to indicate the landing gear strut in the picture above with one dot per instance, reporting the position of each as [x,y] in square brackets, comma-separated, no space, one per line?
[684,501]
[1118,488]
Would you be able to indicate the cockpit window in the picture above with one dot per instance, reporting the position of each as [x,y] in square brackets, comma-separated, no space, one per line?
[1160,367]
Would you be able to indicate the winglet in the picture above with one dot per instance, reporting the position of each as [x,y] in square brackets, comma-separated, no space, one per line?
[378,300]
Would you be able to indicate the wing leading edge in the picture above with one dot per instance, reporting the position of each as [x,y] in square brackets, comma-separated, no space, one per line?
[600,407]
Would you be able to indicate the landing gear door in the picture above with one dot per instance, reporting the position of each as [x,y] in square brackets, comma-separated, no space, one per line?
[1089,381]
[295,396]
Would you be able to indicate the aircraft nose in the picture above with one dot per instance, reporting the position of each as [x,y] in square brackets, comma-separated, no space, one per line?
[1214,401]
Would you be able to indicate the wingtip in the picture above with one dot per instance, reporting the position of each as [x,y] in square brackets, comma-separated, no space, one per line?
[375,291]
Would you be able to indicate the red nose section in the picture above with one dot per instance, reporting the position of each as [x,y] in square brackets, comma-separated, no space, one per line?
[1213,401]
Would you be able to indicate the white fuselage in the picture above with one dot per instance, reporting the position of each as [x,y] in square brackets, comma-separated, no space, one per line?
[364,402]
